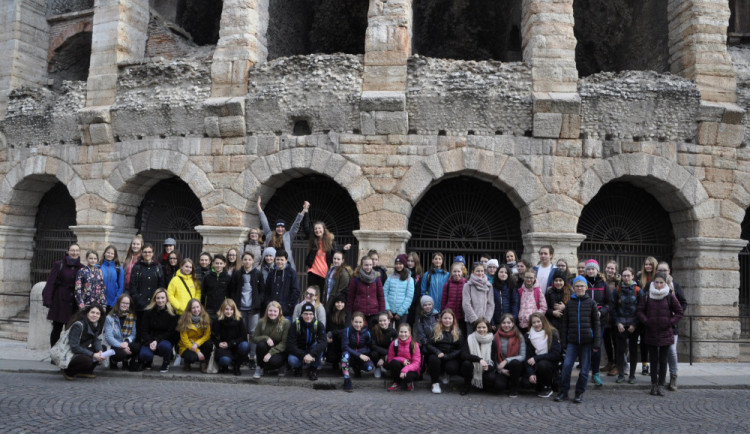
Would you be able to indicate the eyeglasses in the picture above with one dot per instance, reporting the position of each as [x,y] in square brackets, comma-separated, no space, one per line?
[309,294]
[662,270]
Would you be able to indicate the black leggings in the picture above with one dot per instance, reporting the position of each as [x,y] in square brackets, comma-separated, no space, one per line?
[631,341]
[488,376]
[191,356]
[395,367]
[545,373]
[275,362]
[437,366]
[658,356]
[509,382]
[608,343]
[81,364]
[54,336]
[121,355]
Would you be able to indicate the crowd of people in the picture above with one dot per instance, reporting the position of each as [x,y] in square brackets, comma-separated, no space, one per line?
[500,326]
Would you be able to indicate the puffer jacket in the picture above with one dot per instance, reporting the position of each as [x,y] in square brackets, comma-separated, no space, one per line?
[581,322]
[180,293]
[453,293]
[432,285]
[478,301]
[193,335]
[445,344]
[425,324]
[400,351]
[626,299]
[658,318]
[368,299]
[602,295]
[398,294]
[506,300]
[356,343]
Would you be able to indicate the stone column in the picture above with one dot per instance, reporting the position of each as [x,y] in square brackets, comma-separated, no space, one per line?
[708,271]
[15,268]
[98,237]
[222,238]
[389,244]
[387,49]
[24,41]
[565,245]
[120,31]
[549,48]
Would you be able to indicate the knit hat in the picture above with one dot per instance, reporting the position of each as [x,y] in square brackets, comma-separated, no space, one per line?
[307,307]
[591,263]
[580,279]
[558,274]
[401,258]
[338,297]
[460,259]
[269,251]
[426,299]
[493,263]
[280,223]
[170,242]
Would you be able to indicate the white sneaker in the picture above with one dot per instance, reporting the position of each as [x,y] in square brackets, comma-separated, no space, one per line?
[436,388]
[377,373]
[445,379]
[258,372]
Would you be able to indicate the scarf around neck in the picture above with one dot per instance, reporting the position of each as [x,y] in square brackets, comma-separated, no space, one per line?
[538,340]
[480,346]
[368,278]
[658,294]
[480,283]
[195,319]
[513,344]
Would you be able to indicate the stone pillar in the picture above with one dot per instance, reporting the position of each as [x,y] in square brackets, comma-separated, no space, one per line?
[98,237]
[565,245]
[15,268]
[222,238]
[387,49]
[708,271]
[389,244]
[39,326]
[119,33]
[24,41]
[549,48]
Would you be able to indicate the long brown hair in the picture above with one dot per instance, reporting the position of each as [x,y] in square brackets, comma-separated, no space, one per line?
[548,328]
[327,238]
[377,332]
[417,264]
[277,241]
[196,283]
[115,260]
[437,332]
[130,253]
[341,267]
[186,320]
[647,277]
[116,308]
[519,336]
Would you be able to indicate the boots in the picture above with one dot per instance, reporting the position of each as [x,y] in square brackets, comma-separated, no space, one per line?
[204,367]
[672,383]
[236,371]
[653,389]
[312,374]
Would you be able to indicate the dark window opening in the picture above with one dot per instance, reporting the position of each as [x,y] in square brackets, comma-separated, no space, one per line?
[615,229]
[621,35]
[198,19]
[738,30]
[71,60]
[170,209]
[744,257]
[301,27]
[464,216]
[301,128]
[55,215]
[468,29]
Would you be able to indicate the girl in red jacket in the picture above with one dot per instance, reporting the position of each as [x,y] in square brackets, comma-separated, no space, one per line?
[366,292]
[453,293]
[404,360]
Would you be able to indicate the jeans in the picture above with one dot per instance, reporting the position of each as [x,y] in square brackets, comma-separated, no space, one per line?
[251,321]
[240,352]
[672,359]
[296,362]
[596,357]
[572,352]
[163,349]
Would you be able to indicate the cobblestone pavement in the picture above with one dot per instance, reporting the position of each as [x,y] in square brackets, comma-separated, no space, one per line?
[48,403]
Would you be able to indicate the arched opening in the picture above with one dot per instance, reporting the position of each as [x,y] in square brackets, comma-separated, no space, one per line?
[200,20]
[627,224]
[621,35]
[301,27]
[468,29]
[54,217]
[71,60]
[170,209]
[464,216]
[329,203]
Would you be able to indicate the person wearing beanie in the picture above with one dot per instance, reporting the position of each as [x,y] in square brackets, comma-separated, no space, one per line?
[426,320]
[280,238]
[545,269]
[268,265]
[557,298]
[580,336]
[599,291]
[398,291]
[492,266]
[306,342]
[169,246]
[338,319]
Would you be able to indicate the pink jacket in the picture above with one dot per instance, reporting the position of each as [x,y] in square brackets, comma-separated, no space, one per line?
[527,304]
[405,354]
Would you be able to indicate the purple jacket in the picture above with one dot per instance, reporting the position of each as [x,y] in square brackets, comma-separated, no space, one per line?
[658,316]
[58,292]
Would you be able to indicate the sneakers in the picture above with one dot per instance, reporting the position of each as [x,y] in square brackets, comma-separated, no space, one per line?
[644,371]
[410,386]
[258,372]
[251,364]
[631,380]
[597,380]
[620,379]
[445,379]
[672,383]
[513,394]
[164,367]
[545,393]
[561,397]
[436,388]
[282,371]
[378,372]
[653,390]
[348,387]
[395,386]
[578,399]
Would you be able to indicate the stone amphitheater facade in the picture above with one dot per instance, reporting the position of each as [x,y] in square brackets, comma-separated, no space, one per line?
[386,124]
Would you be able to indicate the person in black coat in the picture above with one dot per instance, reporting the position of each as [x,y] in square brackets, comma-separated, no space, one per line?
[444,350]
[215,287]
[246,289]
[83,338]
[158,333]
[337,320]
[145,278]
[382,336]
[58,292]
[543,352]
[306,343]
[230,338]
[281,285]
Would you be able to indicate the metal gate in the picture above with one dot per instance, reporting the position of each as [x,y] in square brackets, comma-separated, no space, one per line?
[464,216]
[627,224]
[171,210]
[329,203]
[744,257]
[55,216]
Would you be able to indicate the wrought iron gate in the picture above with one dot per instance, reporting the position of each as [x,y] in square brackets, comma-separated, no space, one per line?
[744,257]
[55,216]
[464,216]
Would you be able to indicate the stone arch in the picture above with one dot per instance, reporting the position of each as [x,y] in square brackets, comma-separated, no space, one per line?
[134,176]
[508,174]
[67,33]
[71,59]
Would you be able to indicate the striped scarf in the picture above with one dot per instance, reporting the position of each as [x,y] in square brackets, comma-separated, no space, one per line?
[127,326]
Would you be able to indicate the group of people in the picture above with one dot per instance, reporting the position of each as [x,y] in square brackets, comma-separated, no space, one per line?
[500,327]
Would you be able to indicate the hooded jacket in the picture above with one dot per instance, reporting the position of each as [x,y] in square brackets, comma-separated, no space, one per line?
[282,286]
[237,282]
[581,322]
[626,299]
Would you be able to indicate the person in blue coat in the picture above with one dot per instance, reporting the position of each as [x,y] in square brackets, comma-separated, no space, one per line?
[114,275]
[506,296]
[398,291]
[434,280]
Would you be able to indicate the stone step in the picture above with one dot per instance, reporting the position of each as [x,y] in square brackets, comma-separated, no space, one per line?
[23,315]
[19,327]
[14,335]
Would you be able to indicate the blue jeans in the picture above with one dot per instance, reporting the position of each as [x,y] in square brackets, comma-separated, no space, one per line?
[596,357]
[163,348]
[672,359]
[243,348]
[572,352]
[295,362]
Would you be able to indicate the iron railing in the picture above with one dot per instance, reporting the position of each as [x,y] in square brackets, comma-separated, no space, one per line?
[50,245]
[470,249]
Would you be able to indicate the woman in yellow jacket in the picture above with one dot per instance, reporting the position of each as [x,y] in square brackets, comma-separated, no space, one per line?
[184,286]
[195,335]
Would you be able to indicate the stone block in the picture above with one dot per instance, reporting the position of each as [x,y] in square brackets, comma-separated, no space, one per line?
[232,126]
[39,327]
[384,122]
[225,106]
[730,135]
[548,125]
[592,148]
[94,115]
[211,125]
[382,101]
[557,102]
[100,134]
[571,126]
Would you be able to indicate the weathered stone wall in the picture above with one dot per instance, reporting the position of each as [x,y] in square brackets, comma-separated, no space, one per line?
[639,105]
[741,60]
[485,97]
[167,40]
[57,7]
[322,89]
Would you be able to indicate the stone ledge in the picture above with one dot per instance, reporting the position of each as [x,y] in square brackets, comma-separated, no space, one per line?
[388,101]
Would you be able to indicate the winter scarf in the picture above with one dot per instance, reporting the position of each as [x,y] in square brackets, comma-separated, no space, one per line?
[126,328]
[196,319]
[539,341]
[658,294]
[480,346]
[514,344]
[368,278]
[480,283]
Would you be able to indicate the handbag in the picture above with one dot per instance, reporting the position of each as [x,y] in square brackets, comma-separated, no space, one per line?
[212,368]
[61,353]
